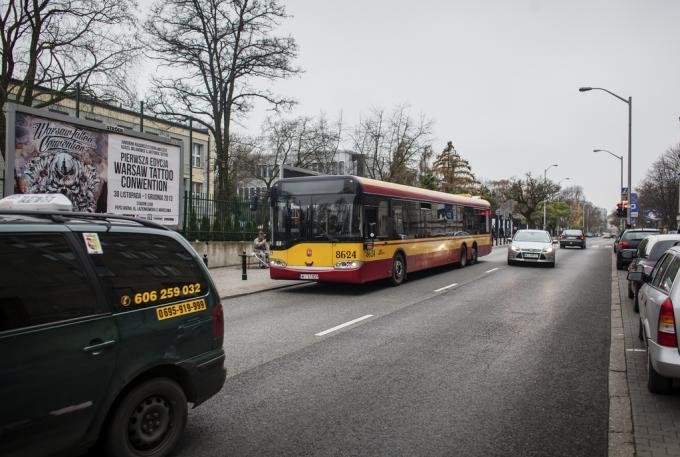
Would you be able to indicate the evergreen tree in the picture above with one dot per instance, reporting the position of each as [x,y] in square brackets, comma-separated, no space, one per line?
[455,173]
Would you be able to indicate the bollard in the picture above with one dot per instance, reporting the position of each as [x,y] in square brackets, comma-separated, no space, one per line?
[244,275]
[205,259]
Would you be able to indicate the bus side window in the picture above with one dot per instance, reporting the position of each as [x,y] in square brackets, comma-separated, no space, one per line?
[370,221]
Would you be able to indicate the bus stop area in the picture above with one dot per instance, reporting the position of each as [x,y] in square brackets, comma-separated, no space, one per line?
[230,284]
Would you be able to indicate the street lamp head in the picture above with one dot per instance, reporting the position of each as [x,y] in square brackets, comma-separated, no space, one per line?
[584,89]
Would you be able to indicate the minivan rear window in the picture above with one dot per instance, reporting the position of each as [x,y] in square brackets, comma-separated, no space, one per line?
[141,270]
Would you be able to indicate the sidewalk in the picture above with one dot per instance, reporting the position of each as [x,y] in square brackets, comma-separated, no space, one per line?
[230,284]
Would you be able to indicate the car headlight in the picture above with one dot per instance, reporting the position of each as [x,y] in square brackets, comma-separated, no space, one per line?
[514,248]
[278,263]
[348,265]
[549,249]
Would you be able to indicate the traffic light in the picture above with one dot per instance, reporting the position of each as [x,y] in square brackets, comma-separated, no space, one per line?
[619,210]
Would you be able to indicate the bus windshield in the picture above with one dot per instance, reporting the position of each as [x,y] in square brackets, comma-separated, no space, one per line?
[326,217]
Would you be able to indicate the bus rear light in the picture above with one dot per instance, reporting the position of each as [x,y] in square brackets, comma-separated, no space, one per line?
[665,335]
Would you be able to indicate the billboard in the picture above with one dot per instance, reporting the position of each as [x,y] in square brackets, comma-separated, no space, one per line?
[97,169]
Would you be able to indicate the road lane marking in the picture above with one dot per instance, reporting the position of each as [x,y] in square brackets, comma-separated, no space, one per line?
[492,270]
[636,350]
[338,327]
[446,287]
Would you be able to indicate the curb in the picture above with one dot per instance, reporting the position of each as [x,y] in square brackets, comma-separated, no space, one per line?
[620,438]
[257,291]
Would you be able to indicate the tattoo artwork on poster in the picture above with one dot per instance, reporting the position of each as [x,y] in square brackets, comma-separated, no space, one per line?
[55,157]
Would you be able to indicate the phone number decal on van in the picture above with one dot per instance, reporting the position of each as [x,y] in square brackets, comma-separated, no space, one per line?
[180,309]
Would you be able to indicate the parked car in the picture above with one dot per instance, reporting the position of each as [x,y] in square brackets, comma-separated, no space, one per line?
[531,246]
[109,326]
[648,252]
[572,237]
[659,298]
[627,245]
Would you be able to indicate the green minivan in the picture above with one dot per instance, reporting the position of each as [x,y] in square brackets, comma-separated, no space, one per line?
[109,327]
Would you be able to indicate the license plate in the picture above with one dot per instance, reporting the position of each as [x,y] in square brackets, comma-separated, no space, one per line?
[180,309]
[309,276]
[531,256]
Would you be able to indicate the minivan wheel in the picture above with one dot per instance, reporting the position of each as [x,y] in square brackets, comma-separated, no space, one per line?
[148,421]
[656,383]
[398,270]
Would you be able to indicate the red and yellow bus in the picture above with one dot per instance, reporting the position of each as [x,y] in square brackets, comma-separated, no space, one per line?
[353,230]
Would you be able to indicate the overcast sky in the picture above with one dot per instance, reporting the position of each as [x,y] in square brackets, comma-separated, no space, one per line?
[500,78]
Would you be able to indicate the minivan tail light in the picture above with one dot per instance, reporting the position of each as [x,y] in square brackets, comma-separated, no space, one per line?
[218,321]
[665,335]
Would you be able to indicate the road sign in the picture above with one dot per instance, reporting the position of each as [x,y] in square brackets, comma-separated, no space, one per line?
[633,205]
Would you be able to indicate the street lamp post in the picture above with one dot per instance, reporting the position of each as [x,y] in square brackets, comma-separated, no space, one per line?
[545,181]
[621,160]
[630,125]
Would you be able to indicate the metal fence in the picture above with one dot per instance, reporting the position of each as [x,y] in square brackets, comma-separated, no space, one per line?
[207,219]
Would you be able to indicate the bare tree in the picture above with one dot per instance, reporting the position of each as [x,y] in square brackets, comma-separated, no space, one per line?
[529,194]
[301,142]
[659,188]
[392,144]
[55,44]
[216,50]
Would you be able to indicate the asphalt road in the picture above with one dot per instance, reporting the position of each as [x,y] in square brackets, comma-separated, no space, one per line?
[511,361]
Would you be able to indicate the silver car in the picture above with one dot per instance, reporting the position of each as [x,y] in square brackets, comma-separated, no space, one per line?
[531,246]
[659,298]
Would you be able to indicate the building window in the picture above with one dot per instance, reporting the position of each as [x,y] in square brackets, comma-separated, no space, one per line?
[197,187]
[196,153]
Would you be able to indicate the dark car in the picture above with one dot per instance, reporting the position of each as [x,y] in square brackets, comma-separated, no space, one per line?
[109,326]
[649,251]
[627,244]
[572,237]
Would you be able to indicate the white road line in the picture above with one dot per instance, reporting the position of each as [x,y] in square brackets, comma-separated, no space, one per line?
[338,327]
[492,270]
[446,287]
[636,350]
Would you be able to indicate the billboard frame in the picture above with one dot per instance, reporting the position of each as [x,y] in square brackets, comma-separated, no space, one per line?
[11,109]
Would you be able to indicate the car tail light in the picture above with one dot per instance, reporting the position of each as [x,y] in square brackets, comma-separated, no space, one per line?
[665,335]
[623,244]
[218,321]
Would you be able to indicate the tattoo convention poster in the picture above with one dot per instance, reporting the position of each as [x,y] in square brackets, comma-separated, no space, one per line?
[97,170]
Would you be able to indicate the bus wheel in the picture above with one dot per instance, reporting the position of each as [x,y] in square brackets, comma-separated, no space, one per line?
[463,257]
[474,255]
[398,270]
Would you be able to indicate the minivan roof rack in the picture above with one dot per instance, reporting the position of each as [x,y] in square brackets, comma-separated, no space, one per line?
[66,216]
